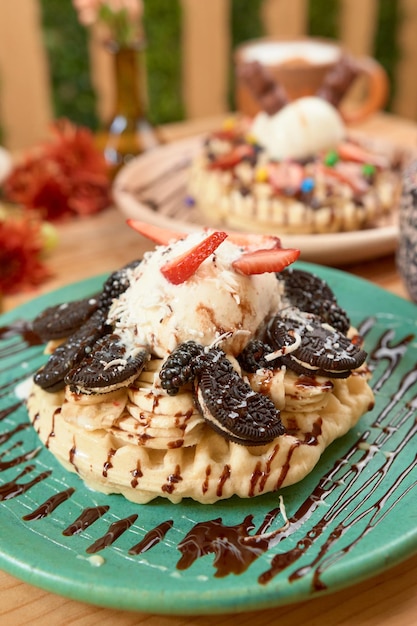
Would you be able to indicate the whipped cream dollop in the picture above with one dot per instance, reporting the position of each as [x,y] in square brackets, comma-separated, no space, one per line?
[216,302]
[300,129]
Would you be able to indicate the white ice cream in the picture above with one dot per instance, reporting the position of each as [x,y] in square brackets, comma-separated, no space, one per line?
[300,129]
[215,301]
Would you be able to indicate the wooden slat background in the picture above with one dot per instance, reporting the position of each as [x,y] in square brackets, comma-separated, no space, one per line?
[25,94]
[25,91]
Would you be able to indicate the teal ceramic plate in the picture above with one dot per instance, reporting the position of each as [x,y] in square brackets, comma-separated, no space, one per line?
[352,517]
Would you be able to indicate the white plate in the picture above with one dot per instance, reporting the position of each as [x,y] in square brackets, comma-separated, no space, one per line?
[153,188]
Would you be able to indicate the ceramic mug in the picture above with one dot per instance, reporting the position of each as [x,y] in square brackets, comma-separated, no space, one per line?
[300,66]
[407,240]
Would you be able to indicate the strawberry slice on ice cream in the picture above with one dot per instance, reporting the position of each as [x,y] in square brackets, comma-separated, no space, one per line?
[254,241]
[269,260]
[157,234]
[271,257]
[181,268]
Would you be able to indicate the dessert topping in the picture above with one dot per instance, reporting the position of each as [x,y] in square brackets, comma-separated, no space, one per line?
[350,151]
[307,292]
[108,366]
[61,320]
[318,348]
[232,158]
[300,130]
[230,405]
[262,261]
[181,268]
[284,176]
[157,234]
[270,95]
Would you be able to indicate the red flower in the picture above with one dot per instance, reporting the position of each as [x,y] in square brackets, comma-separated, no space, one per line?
[89,193]
[74,149]
[49,177]
[21,246]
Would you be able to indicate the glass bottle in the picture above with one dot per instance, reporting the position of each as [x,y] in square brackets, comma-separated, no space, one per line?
[129,132]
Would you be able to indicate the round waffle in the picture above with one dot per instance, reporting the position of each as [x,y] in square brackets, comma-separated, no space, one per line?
[143,443]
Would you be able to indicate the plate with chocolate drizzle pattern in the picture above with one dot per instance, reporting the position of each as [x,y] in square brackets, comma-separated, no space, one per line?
[350,518]
[153,188]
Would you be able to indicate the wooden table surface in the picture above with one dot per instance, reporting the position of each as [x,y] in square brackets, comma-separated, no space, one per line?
[103,243]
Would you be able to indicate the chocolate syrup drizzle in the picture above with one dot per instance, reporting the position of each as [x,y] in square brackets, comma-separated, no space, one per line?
[152,538]
[115,530]
[350,504]
[85,519]
[12,489]
[49,505]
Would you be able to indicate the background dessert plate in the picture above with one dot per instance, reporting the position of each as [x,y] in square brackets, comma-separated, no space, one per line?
[153,187]
[5,163]
[351,518]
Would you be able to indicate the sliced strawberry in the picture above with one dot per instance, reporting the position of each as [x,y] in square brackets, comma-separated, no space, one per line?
[225,134]
[286,175]
[261,261]
[251,241]
[349,151]
[163,236]
[158,235]
[345,174]
[184,266]
[230,159]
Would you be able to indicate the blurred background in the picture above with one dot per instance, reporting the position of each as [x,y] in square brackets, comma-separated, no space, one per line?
[51,66]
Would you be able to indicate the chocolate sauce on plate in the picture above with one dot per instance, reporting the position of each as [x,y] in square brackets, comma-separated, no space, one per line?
[49,505]
[115,530]
[87,517]
[152,538]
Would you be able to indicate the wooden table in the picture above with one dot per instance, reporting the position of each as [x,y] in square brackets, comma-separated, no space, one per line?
[102,243]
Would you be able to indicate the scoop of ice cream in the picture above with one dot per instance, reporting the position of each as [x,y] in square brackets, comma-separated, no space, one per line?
[300,129]
[215,302]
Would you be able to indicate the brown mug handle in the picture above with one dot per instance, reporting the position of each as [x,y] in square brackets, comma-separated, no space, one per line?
[378,88]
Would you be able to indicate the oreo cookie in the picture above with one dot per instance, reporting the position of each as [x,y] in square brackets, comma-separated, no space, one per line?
[62,320]
[311,294]
[107,367]
[230,406]
[83,323]
[309,346]
[67,355]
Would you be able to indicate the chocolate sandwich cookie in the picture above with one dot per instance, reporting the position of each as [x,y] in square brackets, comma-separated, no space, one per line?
[61,320]
[308,346]
[312,294]
[231,406]
[107,367]
[64,319]
[71,352]
[227,403]
[83,323]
